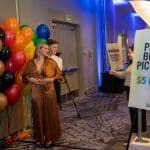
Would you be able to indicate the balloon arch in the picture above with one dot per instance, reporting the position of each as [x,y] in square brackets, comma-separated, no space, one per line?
[17,46]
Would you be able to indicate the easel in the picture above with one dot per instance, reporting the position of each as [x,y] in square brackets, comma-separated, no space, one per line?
[139,130]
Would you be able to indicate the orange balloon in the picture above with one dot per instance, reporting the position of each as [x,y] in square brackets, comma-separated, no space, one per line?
[12,23]
[19,43]
[2,67]
[27,33]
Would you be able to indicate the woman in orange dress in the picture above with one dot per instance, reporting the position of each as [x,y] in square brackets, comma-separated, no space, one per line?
[42,71]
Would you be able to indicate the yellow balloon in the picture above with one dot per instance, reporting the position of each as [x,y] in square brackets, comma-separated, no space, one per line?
[3,102]
[30,48]
[29,55]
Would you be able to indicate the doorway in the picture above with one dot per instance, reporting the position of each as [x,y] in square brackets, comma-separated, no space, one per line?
[66,34]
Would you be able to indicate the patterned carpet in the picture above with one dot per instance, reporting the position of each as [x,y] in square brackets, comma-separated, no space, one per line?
[104,124]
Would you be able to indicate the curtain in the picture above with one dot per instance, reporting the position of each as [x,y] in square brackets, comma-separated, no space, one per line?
[102,64]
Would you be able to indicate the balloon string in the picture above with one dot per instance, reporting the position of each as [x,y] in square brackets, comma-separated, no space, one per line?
[18,118]
[9,117]
[8,120]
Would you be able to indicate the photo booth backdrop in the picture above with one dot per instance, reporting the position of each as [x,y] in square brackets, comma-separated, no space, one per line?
[82,14]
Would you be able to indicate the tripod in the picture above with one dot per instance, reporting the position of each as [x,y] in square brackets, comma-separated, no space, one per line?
[72,97]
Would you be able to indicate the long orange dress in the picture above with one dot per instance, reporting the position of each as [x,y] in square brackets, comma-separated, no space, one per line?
[45,110]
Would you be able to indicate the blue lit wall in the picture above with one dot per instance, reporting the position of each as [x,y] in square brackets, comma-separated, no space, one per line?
[127,21]
[113,17]
[101,39]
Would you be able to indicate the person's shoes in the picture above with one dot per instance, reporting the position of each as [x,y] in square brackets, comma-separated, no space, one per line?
[39,145]
[48,145]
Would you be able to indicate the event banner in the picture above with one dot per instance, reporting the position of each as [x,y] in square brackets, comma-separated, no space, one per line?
[114,56]
[140,76]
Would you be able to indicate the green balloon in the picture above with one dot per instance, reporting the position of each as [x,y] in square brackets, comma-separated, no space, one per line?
[22,26]
[34,39]
[41,40]
[27,89]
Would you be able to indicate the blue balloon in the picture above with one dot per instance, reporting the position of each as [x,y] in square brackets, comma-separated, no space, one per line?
[43,31]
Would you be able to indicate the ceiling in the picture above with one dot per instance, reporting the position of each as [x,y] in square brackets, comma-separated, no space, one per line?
[142,8]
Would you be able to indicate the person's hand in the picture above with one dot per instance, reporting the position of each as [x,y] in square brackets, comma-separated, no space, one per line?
[47,80]
[112,72]
[36,80]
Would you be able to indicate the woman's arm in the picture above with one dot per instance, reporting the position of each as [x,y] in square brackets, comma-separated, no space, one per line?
[119,74]
[59,74]
[52,72]
[27,75]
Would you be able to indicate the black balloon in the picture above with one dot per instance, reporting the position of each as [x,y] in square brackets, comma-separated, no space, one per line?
[2,34]
[5,53]
[7,79]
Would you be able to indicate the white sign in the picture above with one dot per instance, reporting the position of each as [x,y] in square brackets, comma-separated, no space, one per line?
[114,56]
[140,76]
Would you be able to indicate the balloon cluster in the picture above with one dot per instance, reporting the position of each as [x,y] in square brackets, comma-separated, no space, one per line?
[17,46]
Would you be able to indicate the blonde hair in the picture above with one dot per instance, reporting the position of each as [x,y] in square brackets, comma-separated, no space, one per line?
[37,49]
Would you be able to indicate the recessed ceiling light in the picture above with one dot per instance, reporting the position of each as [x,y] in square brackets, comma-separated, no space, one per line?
[119,2]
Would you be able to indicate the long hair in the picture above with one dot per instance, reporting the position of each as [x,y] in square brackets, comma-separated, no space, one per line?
[132,49]
[37,49]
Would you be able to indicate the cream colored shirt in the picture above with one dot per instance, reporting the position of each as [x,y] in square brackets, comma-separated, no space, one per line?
[126,74]
[58,60]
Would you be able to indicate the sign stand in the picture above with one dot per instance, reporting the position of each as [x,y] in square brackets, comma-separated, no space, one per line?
[139,139]
[139,125]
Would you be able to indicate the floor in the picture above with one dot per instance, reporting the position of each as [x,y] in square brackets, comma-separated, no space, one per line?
[104,124]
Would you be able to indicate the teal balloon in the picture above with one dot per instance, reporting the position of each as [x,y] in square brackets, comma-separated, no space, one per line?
[22,26]
[35,38]
[41,40]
